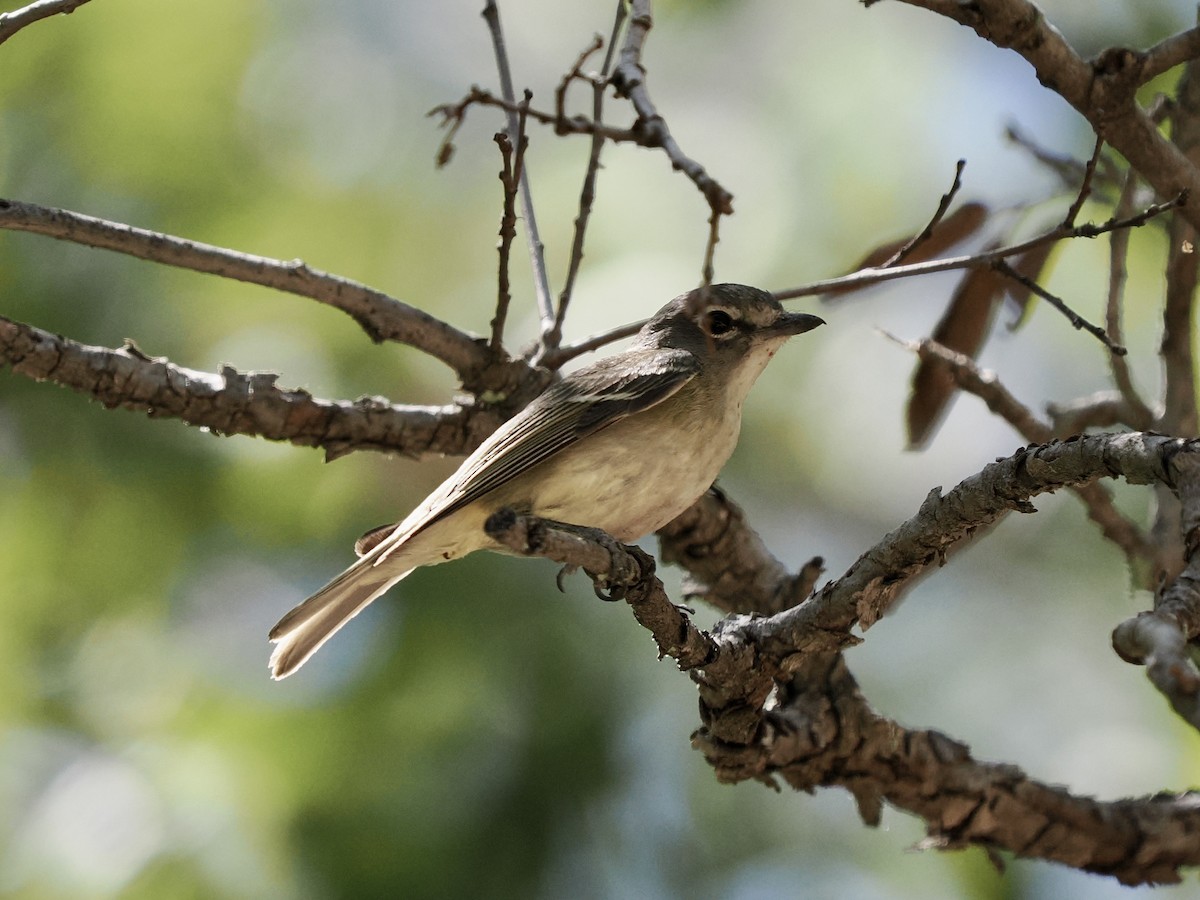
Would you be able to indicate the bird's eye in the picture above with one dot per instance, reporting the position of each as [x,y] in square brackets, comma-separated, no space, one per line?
[718,322]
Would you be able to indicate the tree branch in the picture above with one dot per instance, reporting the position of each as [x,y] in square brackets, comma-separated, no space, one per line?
[1102,90]
[12,22]
[233,402]
[382,317]
[876,275]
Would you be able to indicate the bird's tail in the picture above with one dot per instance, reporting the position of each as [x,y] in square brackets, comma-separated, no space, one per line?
[299,634]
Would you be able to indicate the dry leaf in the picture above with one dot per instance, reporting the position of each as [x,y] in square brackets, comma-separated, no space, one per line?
[962,327]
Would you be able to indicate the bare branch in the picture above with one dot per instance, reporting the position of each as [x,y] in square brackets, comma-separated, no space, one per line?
[1103,409]
[1085,186]
[1103,90]
[1169,53]
[629,80]
[943,205]
[879,576]
[1140,417]
[866,277]
[587,193]
[821,732]
[233,402]
[12,22]
[987,387]
[380,316]
[1159,639]
[1076,320]
[560,357]
[510,177]
[537,251]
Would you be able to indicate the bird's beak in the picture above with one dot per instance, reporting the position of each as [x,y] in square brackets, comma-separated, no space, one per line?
[794,323]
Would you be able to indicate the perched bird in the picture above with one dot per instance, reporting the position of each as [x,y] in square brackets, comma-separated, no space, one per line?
[624,445]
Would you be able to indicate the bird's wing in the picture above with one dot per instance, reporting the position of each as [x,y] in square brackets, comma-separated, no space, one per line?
[581,404]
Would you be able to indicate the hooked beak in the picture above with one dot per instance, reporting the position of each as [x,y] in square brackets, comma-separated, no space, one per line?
[790,324]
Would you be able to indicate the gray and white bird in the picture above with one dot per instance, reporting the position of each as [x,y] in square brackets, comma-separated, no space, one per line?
[624,445]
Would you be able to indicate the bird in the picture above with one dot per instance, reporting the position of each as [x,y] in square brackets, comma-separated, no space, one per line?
[624,445]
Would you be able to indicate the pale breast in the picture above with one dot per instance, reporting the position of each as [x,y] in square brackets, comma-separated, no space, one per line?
[638,475]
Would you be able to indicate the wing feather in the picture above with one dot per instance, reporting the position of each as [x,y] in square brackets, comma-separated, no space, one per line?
[581,404]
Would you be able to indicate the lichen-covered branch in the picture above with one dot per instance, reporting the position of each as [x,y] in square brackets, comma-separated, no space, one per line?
[233,402]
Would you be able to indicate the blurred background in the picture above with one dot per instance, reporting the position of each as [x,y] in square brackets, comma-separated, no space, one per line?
[477,733]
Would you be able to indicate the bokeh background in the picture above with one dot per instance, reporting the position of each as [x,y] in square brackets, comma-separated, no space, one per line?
[477,734]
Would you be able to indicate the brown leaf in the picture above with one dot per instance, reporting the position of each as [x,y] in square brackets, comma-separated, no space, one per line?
[956,227]
[963,327]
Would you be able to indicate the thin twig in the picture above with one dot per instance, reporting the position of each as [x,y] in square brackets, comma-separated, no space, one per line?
[537,254]
[629,80]
[1085,187]
[12,22]
[1141,415]
[568,352]
[380,316]
[944,204]
[508,230]
[710,247]
[865,277]
[1076,320]
[587,193]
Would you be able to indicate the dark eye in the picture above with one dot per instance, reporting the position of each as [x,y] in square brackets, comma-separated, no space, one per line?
[718,322]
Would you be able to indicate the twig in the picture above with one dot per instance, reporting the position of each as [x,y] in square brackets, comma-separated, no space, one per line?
[629,80]
[454,114]
[564,354]
[232,402]
[1140,415]
[12,22]
[510,177]
[710,247]
[508,230]
[380,316]
[587,193]
[537,251]
[866,277]
[1169,53]
[904,252]
[1085,187]
[1058,303]
[1103,409]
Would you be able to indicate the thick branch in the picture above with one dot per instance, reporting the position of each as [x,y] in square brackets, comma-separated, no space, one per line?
[878,577]
[987,387]
[240,403]
[730,566]
[823,733]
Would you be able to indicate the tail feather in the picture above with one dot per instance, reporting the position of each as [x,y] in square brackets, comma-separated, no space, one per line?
[302,631]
